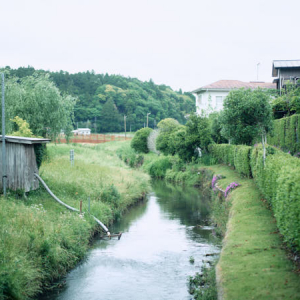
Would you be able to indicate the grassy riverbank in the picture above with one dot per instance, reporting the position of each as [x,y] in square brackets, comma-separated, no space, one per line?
[40,239]
[253,263]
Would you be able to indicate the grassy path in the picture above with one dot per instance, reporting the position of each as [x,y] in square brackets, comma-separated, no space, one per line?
[253,263]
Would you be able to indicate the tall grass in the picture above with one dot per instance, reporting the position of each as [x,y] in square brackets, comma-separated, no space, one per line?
[40,239]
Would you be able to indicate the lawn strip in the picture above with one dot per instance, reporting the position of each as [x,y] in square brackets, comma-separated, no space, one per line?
[253,263]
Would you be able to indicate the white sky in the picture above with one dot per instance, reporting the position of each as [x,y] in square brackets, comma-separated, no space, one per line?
[182,43]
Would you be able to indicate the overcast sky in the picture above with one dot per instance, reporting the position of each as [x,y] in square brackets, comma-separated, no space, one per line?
[182,43]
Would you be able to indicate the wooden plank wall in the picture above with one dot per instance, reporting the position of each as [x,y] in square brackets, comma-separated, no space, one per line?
[21,166]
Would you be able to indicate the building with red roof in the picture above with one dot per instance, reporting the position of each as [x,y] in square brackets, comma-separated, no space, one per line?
[209,98]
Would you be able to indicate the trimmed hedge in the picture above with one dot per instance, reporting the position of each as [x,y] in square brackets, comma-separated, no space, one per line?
[278,180]
[286,134]
[232,155]
[242,160]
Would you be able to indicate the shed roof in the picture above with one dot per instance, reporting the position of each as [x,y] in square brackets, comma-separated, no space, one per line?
[280,64]
[227,85]
[24,140]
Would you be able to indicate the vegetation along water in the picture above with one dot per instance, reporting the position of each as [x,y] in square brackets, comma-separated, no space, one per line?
[248,161]
[152,260]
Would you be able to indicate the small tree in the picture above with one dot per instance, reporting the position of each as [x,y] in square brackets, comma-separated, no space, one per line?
[166,127]
[139,141]
[247,115]
[198,136]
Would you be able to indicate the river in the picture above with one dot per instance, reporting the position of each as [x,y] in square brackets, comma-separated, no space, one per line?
[152,259]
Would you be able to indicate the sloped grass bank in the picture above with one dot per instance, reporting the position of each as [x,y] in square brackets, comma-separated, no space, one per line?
[40,239]
[253,263]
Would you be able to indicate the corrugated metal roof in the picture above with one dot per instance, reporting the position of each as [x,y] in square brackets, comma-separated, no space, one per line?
[277,64]
[286,63]
[24,140]
[228,85]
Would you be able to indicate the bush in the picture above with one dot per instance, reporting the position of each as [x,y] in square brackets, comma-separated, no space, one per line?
[166,128]
[224,153]
[139,141]
[287,205]
[286,134]
[278,180]
[242,160]
[159,167]
[279,183]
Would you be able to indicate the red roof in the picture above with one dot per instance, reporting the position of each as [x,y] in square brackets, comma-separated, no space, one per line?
[236,84]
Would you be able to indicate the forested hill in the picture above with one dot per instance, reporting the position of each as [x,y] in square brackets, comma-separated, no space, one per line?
[103,100]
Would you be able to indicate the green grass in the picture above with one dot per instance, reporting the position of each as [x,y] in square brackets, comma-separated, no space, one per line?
[40,239]
[253,263]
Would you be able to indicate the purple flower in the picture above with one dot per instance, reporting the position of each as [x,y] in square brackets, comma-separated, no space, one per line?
[214,181]
[230,187]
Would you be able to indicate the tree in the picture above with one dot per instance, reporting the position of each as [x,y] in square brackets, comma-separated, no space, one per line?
[110,119]
[198,136]
[139,141]
[247,115]
[166,127]
[38,101]
[215,128]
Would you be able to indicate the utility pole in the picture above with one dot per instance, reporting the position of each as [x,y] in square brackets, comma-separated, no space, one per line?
[147,117]
[125,125]
[4,177]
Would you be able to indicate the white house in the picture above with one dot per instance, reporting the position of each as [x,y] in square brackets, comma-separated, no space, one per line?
[209,98]
[82,131]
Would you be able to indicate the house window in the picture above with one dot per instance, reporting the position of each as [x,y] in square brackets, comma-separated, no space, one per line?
[219,100]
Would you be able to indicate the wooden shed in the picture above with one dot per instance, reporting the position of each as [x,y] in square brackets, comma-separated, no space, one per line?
[21,163]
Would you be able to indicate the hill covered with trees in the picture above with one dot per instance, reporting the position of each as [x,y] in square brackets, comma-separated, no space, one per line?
[104,99]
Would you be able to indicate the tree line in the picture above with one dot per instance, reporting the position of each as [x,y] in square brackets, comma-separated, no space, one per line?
[102,100]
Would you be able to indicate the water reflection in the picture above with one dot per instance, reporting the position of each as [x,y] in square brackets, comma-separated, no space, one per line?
[151,261]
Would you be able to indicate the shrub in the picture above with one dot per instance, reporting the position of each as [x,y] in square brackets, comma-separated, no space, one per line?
[159,167]
[139,141]
[287,205]
[166,127]
[242,160]
[286,134]
[224,153]
[278,180]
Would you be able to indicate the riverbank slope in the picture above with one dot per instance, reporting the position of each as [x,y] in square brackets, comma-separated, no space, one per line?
[40,239]
[253,262]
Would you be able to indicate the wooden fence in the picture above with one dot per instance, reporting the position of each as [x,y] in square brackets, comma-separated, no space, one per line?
[92,138]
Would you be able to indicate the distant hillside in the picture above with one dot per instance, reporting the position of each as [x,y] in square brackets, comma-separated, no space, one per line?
[103,100]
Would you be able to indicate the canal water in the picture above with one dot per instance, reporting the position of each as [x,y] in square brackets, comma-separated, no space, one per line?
[152,259]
